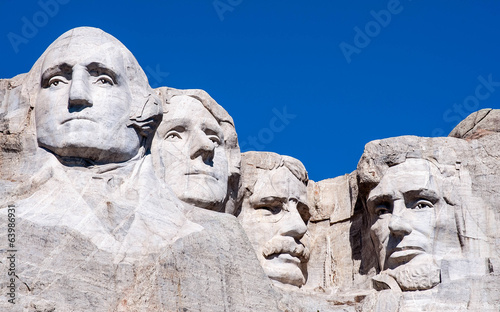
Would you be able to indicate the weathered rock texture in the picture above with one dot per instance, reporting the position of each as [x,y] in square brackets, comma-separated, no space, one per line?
[101,216]
[478,124]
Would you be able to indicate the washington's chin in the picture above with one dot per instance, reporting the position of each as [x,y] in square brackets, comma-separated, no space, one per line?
[90,142]
[210,180]
[92,151]
[285,269]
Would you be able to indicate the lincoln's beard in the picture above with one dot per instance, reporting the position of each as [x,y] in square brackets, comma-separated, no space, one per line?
[417,275]
[421,273]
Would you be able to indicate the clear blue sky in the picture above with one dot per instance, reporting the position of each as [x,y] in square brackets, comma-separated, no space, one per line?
[415,74]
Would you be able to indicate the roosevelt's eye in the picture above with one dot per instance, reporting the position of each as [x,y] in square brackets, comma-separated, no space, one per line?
[422,203]
[104,80]
[55,81]
[270,210]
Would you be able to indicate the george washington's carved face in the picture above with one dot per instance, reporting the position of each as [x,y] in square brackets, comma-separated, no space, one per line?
[84,103]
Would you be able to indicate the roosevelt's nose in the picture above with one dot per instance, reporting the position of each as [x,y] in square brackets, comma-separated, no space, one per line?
[292,223]
[79,90]
[202,146]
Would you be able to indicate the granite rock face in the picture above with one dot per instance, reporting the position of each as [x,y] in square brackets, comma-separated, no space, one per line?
[478,124]
[118,197]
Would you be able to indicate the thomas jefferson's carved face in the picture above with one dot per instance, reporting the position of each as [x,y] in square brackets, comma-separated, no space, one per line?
[84,104]
[273,218]
[190,142]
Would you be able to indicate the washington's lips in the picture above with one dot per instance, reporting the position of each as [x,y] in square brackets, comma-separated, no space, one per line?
[202,172]
[76,118]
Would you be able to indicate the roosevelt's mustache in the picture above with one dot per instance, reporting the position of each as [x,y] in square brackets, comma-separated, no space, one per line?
[285,244]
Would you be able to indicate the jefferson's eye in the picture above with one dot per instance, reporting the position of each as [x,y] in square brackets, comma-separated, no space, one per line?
[215,139]
[422,203]
[173,135]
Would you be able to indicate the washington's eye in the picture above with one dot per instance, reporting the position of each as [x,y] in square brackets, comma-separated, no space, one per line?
[422,203]
[105,80]
[55,81]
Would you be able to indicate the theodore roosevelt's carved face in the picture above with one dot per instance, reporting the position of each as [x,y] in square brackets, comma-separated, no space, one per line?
[190,142]
[84,103]
[274,218]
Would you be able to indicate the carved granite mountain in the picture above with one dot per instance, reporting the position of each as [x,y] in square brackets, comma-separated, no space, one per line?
[95,229]
[118,197]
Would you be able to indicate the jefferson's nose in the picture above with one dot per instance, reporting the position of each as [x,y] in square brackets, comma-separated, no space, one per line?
[79,91]
[202,146]
[292,223]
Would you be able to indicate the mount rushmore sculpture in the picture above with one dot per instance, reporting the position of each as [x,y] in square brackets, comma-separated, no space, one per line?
[119,197]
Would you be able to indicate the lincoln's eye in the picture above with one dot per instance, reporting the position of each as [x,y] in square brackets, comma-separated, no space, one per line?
[381,210]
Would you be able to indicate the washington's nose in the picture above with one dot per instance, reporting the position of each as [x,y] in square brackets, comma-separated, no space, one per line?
[202,146]
[399,227]
[293,225]
[79,91]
